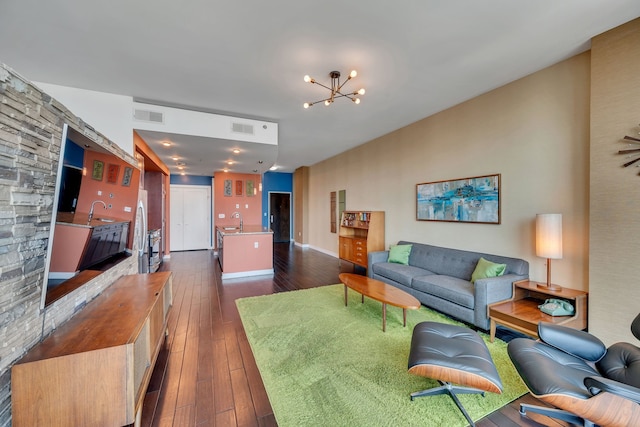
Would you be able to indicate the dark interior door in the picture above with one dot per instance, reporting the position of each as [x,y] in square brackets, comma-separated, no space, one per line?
[280,216]
[69,189]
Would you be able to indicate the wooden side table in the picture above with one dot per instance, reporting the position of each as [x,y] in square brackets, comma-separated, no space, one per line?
[522,314]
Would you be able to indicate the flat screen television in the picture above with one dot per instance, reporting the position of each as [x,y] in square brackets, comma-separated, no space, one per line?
[88,174]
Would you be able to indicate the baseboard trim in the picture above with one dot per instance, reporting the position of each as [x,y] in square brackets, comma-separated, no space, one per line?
[266,272]
[324,251]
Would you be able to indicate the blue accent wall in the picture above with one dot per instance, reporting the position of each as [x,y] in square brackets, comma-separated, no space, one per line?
[73,155]
[274,181]
[190,180]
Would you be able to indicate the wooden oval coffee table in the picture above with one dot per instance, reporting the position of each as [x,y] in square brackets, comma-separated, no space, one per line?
[379,291]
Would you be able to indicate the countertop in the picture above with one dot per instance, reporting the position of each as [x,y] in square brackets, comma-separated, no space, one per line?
[82,220]
[227,230]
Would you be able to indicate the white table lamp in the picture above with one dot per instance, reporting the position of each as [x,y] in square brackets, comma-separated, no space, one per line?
[549,242]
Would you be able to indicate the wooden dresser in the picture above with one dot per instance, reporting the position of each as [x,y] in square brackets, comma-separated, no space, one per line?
[361,232]
[94,369]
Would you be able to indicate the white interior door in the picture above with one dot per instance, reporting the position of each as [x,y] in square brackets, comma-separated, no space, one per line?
[190,217]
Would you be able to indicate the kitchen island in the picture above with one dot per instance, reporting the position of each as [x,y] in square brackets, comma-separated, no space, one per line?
[246,251]
[80,243]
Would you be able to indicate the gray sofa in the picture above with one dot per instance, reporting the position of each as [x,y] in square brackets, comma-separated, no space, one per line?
[440,279]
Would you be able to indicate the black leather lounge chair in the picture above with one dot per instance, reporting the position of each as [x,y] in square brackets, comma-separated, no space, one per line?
[574,371]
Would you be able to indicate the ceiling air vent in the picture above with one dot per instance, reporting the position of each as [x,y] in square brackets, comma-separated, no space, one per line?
[148,116]
[242,128]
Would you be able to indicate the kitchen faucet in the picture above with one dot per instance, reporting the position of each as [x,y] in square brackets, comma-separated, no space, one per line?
[92,205]
[237,215]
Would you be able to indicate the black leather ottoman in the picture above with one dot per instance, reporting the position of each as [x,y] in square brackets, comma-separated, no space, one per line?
[452,354]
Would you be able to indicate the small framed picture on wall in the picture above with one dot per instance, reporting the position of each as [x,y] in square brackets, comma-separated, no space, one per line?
[228,184]
[238,187]
[126,177]
[112,173]
[98,170]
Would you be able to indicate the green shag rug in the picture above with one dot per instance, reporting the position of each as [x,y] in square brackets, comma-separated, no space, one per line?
[324,364]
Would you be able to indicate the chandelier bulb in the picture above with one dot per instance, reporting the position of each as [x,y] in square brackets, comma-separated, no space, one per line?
[306,105]
[361,91]
[357,100]
[307,79]
[353,73]
[327,102]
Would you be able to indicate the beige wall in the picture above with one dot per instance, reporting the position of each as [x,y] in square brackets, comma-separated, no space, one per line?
[301,206]
[615,203]
[535,132]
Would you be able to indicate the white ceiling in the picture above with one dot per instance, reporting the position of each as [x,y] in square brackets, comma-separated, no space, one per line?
[248,58]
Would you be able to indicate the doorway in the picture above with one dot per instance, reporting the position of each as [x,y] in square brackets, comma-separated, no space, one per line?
[190,217]
[280,216]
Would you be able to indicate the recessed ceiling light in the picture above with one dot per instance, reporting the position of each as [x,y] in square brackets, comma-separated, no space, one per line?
[225,170]
[181,173]
[260,162]
[175,158]
[166,143]
[230,162]
[180,167]
[272,168]
[236,151]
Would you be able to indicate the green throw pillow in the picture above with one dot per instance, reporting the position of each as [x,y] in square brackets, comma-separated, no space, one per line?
[486,269]
[399,254]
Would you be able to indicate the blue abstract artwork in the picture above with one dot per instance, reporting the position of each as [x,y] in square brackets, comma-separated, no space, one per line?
[474,199]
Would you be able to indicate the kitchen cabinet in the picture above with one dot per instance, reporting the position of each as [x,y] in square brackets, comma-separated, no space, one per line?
[104,242]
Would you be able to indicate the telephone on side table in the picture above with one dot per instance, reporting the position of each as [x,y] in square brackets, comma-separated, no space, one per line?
[557,307]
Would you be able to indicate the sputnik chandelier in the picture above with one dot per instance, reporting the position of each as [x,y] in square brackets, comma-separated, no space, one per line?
[336,89]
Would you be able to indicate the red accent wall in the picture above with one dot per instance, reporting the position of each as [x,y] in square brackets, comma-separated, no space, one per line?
[250,207]
[123,196]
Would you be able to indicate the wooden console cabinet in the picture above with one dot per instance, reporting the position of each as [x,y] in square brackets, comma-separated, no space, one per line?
[361,232]
[94,369]
[522,313]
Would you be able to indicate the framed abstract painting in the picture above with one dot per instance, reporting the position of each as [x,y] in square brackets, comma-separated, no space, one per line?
[475,199]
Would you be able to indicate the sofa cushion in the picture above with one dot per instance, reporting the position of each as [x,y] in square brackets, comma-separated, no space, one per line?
[399,254]
[458,263]
[486,269]
[402,274]
[450,288]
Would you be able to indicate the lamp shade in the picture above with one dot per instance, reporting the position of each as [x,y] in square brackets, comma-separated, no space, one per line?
[549,236]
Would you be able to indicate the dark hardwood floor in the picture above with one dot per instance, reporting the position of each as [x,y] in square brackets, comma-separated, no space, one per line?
[206,374]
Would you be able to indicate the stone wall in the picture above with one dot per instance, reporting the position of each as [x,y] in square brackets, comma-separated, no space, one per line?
[31,124]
